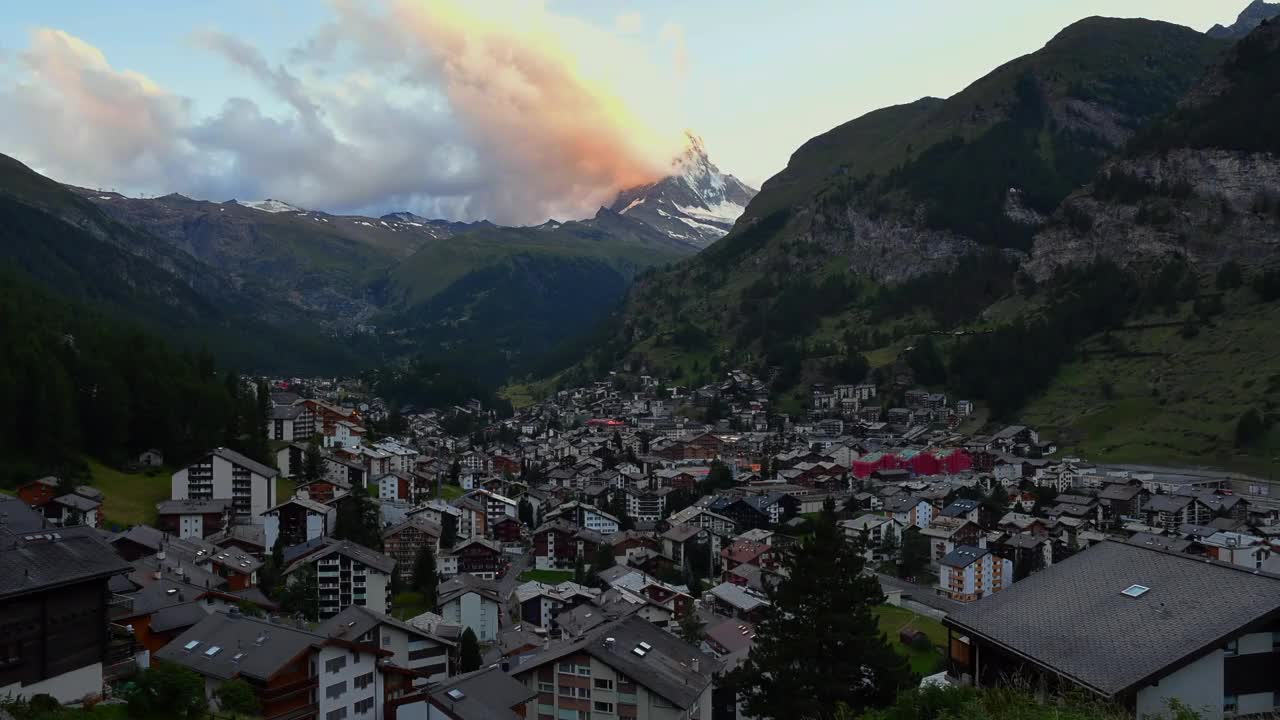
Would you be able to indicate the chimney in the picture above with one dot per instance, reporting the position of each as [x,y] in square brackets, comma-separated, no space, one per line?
[695,664]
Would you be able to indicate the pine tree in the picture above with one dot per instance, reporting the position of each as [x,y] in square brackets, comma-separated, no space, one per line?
[525,512]
[819,644]
[426,579]
[690,625]
[448,530]
[470,652]
[312,463]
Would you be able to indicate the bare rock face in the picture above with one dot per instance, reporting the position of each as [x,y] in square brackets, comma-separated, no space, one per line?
[1207,206]
[886,249]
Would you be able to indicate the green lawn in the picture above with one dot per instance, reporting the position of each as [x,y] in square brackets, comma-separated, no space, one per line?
[894,619]
[285,488]
[450,492]
[407,605]
[551,577]
[130,497]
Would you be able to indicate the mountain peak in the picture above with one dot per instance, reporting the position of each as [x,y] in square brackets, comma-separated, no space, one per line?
[1251,17]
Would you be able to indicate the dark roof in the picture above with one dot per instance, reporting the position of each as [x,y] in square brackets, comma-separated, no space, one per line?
[35,562]
[487,694]
[263,648]
[354,621]
[144,535]
[1117,491]
[234,457]
[964,556]
[1073,619]
[1167,503]
[163,593]
[174,617]
[962,506]
[78,502]
[18,516]
[357,552]
[286,412]
[192,507]
[666,669]
[464,583]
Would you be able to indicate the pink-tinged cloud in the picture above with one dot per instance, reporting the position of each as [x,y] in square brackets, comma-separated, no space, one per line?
[435,107]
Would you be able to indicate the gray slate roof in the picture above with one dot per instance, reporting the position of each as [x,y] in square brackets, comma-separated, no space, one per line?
[19,517]
[1072,618]
[192,507]
[354,621]
[487,694]
[464,583]
[234,457]
[34,562]
[266,647]
[665,670]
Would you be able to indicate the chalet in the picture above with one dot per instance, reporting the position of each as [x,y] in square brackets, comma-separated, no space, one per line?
[82,507]
[970,573]
[679,540]
[225,474]
[193,518]
[558,544]
[396,485]
[746,552]
[909,510]
[54,607]
[633,547]
[479,557]
[540,603]
[293,673]
[404,541]
[488,694]
[586,516]
[507,529]
[40,491]
[964,509]
[1172,511]
[738,602]
[627,667]
[298,520]
[151,457]
[945,534]
[1116,604]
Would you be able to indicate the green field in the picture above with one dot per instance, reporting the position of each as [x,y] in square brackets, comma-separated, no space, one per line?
[407,605]
[550,577]
[130,497]
[1168,399]
[451,492]
[285,487]
[894,619]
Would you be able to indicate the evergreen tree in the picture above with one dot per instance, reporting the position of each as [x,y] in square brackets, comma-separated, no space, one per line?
[301,593]
[579,572]
[167,690]
[819,644]
[1249,429]
[359,520]
[236,696]
[448,531]
[426,579]
[524,510]
[690,625]
[470,652]
[914,556]
[312,463]
[602,560]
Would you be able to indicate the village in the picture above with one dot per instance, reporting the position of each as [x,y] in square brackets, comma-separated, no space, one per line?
[608,552]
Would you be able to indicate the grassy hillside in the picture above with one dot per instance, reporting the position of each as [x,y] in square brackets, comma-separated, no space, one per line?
[1163,394]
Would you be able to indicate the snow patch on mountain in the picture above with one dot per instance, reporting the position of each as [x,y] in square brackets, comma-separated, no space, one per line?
[269,205]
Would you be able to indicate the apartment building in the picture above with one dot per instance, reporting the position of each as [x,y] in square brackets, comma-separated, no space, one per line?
[625,669]
[225,474]
[347,574]
[425,655]
[971,573]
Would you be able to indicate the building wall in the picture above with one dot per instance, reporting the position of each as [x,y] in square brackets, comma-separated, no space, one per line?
[1198,685]
[68,687]
[191,526]
[221,479]
[355,665]
[473,611]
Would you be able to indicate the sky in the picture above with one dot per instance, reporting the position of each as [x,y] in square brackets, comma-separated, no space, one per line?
[508,110]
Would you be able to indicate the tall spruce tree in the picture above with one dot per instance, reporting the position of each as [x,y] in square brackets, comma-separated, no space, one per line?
[426,578]
[819,644]
[470,653]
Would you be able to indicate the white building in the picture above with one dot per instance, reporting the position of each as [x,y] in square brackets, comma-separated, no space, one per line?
[469,602]
[586,516]
[225,474]
[300,519]
[970,573]
[411,648]
[347,574]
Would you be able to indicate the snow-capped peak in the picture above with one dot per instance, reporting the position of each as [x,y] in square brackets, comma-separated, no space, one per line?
[269,205]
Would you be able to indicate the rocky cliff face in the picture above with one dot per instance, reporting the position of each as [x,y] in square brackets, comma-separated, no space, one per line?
[1207,206]
[1250,18]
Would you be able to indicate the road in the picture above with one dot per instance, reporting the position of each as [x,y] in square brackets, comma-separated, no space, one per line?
[919,598]
[508,583]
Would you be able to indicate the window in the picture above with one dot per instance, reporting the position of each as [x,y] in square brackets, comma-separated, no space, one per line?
[338,714]
[363,681]
[336,690]
[365,706]
[604,707]
[335,664]
[386,640]
[1229,704]
[546,687]
[1233,648]
[604,684]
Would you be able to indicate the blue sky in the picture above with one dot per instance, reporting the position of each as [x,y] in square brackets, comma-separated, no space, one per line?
[755,79]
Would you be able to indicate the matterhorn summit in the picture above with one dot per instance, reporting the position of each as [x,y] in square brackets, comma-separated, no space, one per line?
[696,204]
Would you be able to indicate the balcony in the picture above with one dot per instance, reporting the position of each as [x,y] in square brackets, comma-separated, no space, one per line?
[119,606]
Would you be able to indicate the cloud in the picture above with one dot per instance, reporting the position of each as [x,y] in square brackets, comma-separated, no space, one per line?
[629,23]
[501,110]
[673,34]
